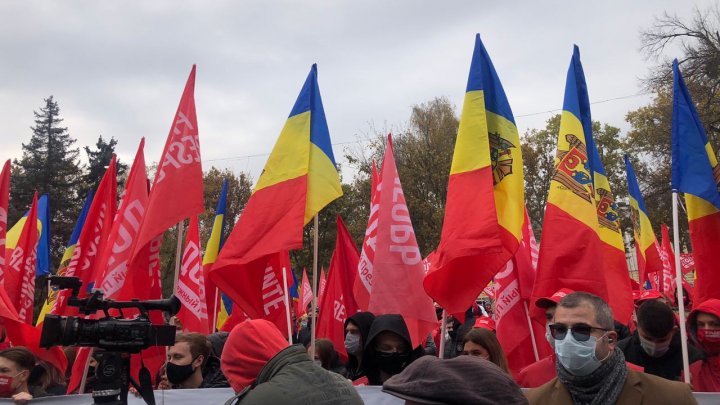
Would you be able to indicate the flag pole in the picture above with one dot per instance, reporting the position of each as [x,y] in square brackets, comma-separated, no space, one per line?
[215,309]
[287,305]
[681,301]
[532,332]
[178,254]
[443,331]
[83,381]
[313,316]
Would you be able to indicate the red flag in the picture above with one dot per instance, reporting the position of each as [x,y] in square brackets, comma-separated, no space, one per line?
[4,202]
[513,287]
[338,302]
[177,192]
[306,295]
[667,281]
[398,272]
[323,284]
[20,270]
[191,286]
[92,240]
[363,282]
[687,263]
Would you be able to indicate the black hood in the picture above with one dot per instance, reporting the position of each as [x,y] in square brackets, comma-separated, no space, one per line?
[363,320]
[392,323]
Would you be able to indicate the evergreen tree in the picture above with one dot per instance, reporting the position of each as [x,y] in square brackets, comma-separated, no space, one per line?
[98,160]
[49,165]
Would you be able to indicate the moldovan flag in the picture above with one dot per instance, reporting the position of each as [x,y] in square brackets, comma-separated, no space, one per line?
[645,240]
[19,280]
[363,282]
[486,173]
[299,179]
[177,192]
[214,244]
[92,240]
[4,202]
[617,274]
[696,173]
[67,255]
[398,266]
[571,252]
[191,284]
[338,302]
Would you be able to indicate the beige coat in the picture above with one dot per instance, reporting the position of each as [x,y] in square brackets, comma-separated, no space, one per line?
[639,389]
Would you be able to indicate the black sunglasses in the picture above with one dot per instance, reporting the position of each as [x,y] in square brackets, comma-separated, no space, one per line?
[581,332]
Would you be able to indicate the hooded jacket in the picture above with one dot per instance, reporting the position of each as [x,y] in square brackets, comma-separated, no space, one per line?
[391,323]
[212,375]
[363,320]
[667,366]
[705,374]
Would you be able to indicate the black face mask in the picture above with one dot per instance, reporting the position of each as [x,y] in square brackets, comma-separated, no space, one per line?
[392,363]
[178,374]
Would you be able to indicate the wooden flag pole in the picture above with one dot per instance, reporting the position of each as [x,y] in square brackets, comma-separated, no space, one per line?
[678,280]
[443,331]
[287,305]
[178,255]
[532,332]
[313,316]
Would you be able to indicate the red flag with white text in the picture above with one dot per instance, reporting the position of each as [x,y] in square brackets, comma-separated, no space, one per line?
[4,203]
[338,302]
[363,282]
[306,295]
[323,284]
[191,286]
[19,280]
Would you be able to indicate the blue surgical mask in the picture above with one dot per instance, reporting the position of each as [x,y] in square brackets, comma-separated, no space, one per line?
[577,357]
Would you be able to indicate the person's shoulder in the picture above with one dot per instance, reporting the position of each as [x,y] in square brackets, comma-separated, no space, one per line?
[542,393]
[663,389]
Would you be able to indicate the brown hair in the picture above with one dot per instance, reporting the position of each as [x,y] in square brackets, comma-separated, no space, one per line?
[20,356]
[487,339]
[326,353]
[199,344]
[50,376]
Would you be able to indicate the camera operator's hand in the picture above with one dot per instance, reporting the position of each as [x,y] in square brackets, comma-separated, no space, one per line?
[133,391]
[22,398]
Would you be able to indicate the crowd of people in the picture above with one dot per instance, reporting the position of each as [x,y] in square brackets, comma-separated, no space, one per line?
[595,360]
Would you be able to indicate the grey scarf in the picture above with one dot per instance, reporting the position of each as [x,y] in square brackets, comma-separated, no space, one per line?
[602,386]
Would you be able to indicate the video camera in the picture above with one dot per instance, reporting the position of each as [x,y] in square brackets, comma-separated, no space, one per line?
[115,335]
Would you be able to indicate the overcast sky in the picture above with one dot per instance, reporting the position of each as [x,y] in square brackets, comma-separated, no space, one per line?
[117,68]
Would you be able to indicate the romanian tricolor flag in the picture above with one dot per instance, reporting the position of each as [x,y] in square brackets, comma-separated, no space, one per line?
[212,249]
[299,179]
[648,258]
[67,255]
[696,173]
[617,274]
[485,201]
[571,251]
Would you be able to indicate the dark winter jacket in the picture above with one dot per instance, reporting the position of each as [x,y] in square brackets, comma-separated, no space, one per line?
[292,378]
[363,320]
[212,375]
[669,366]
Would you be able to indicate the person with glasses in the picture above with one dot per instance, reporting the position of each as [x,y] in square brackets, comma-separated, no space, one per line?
[590,368]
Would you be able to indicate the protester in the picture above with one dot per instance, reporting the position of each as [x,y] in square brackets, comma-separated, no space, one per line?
[388,349]
[456,331]
[16,364]
[190,364]
[540,372]
[217,342]
[655,345]
[357,328]
[48,378]
[326,356]
[483,343]
[704,326]
[590,369]
[484,322]
[262,369]
[461,380]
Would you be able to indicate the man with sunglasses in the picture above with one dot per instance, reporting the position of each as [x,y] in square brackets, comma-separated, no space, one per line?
[590,369]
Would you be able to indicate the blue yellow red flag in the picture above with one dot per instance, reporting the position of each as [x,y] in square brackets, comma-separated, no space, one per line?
[212,249]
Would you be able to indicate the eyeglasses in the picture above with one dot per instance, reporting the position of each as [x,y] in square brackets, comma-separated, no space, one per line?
[581,332]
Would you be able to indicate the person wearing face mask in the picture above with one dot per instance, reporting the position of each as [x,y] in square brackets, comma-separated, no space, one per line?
[357,328]
[704,327]
[16,364]
[190,364]
[388,349]
[590,367]
[655,345]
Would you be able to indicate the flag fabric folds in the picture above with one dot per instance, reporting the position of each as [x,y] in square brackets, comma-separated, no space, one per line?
[482,228]
[20,259]
[338,302]
[191,284]
[214,244]
[43,249]
[298,180]
[306,296]
[363,282]
[645,240]
[398,265]
[322,284]
[4,204]
[695,172]
[571,252]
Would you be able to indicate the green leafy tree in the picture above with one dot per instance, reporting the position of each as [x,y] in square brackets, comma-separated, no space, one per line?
[49,165]
[538,150]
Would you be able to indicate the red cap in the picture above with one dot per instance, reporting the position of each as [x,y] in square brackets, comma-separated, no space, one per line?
[249,347]
[647,295]
[485,322]
[548,302]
